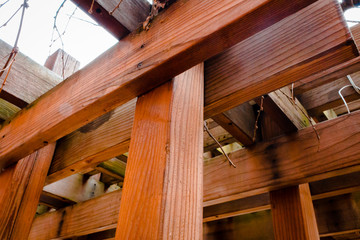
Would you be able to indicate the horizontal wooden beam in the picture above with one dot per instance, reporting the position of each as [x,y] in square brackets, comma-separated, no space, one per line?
[287,160]
[327,96]
[102,16]
[289,51]
[239,122]
[136,65]
[331,74]
[85,222]
[130,13]
[76,220]
[98,141]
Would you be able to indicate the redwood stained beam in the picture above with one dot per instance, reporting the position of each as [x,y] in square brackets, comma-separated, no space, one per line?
[79,219]
[20,189]
[76,221]
[164,173]
[347,4]
[130,13]
[102,17]
[327,96]
[239,122]
[333,73]
[278,117]
[285,161]
[293,213]
[84,96]
[82,149]
[244,72]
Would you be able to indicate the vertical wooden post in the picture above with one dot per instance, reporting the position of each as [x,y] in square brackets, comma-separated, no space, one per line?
[21,184]
[20,190]
[293,214]
[162,195]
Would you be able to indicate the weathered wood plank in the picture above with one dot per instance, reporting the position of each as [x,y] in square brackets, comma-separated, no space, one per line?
[293,213]
[239,122]
[136,65]
[69,150]
[292,108]
[62,63]
[28,80]
[7,110]
[20,190]
[164,173]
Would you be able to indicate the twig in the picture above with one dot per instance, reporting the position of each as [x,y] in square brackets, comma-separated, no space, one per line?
[91,7]
[55,29]
[2,4]
[257,117]
[80,19]
[7,74]
[227,157]
[353,21]
[15,49]
[11,17]
[117,6]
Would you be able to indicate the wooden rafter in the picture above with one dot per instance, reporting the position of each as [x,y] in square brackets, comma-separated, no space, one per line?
[87,97]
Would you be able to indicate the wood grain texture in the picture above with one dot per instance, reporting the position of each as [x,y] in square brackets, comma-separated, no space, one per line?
[75,146]
[327,96]
[79,219]
[274,121]
[297,47]
[293,159]
[136,65]
[21,186]
[293,109]
[100,140]
[163,185]
[353,106]
[110,203]
[332,73]
[131,13]
[28,80]
[239,122]
[293,213]
[103,18]
[7,110]
[62,63]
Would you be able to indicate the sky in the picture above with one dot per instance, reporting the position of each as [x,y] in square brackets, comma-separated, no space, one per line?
[83,40]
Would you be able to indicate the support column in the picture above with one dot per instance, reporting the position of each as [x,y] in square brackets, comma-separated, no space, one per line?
[20,189]
[163,187]
[21,184]
[293,214]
